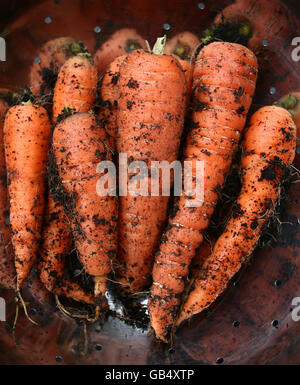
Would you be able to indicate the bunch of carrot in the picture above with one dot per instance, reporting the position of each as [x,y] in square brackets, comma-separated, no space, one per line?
[50,158]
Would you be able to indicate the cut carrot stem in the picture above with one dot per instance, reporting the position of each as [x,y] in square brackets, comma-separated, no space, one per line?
[159,45]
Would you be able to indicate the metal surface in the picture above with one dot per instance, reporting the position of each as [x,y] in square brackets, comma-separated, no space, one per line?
[240,329]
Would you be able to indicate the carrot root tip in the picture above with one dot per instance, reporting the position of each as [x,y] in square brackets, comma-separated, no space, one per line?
[68,313]
[24,305]
[86,341]
[15,321]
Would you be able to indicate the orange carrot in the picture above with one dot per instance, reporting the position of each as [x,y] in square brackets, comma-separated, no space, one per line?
[26,139]
[7,270]
[57,242]
[223,86]
[150,121]
[79,144]
[75,87]
[120,43]
[48,61]
[109,97]
[268,148]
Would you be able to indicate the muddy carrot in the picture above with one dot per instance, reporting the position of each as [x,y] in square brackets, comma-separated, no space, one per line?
[150,121]
[26,139]
[268,148]
[76,86]
[56,245]
[79,144]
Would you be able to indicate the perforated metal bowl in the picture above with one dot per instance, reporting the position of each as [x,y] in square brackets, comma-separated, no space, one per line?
[252,323]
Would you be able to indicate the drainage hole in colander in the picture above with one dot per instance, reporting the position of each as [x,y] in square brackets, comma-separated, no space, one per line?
[33,311]
[48,20]
[275,323]
[277,283]
[236,324]
[76,272]
[98,328]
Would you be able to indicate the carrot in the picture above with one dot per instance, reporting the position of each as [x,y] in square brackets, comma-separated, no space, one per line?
[79,144]
[49,59]
[183,46]
[109,97]
[7,270]
[223,86]
[256,21]
[57,242]
[268,148]
[26,139]
[75,87]
[120,43]
[150,122]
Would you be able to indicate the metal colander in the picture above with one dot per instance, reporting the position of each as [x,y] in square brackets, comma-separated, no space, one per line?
[252,322]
